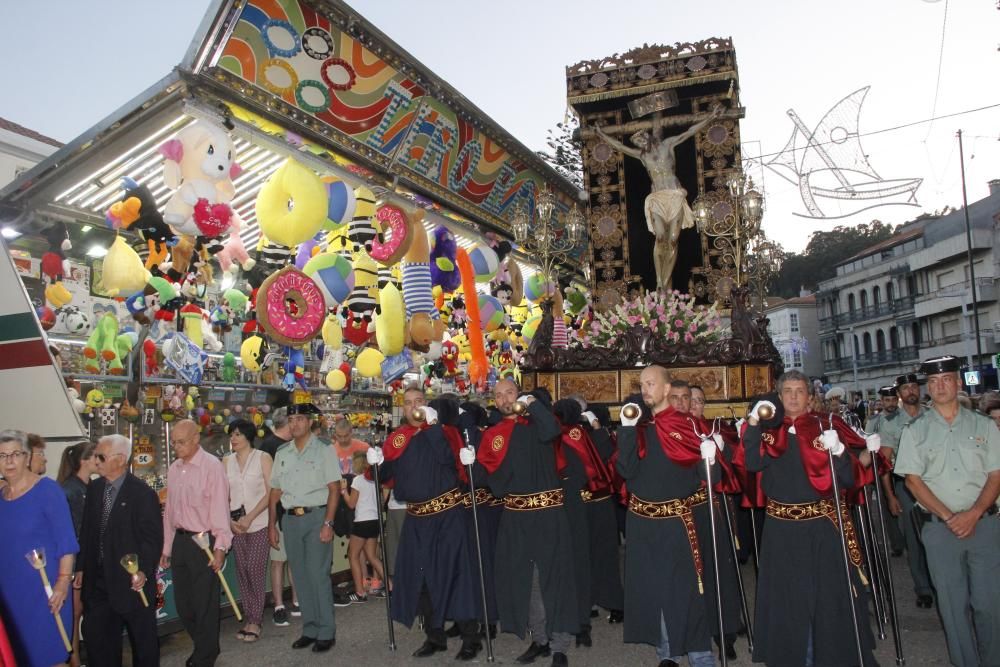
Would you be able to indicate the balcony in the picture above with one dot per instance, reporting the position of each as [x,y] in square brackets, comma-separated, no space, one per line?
[896,308]
[871,359]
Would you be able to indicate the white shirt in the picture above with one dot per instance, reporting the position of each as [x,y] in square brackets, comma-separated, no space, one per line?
[367,507]
[396,505]
[246,487]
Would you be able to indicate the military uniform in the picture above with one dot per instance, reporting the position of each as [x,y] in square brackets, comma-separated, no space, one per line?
[303,478]
[954,461]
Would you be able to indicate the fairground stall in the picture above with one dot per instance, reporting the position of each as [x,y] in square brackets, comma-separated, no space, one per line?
[299,207]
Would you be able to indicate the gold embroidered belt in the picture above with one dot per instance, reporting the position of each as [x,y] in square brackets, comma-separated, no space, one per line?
[821,509]
[672,509]
[483,499]
[442,503]
[699,497]
[534,501]
[589,496]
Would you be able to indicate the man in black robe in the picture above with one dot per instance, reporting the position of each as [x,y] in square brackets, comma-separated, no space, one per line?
[435,564]
[660,461]
[802,612]
[535,585]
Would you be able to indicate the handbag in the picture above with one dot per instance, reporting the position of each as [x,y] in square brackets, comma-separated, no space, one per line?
[237,514]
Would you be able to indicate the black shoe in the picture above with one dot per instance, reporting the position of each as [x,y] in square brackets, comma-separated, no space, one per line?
[323,645]
[453,631]
[617,616]
[470,649]
[583,639]
[303,641]
[559,660]
[669,663]
[925,601]
[534,651]
[492,628]
[730,651]
[428,648]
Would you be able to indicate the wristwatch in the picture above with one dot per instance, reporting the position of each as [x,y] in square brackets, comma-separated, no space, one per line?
[329,524]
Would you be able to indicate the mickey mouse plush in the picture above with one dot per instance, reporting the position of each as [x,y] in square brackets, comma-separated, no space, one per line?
[55,265]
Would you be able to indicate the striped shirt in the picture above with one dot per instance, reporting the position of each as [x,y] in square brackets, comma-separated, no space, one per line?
[417,290]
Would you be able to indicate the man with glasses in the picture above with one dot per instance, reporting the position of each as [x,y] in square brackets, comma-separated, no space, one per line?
[197,502]
[121,516]
[305,479]
[899,500]
[950,457]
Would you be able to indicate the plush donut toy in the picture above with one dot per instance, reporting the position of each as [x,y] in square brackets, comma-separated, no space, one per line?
[290,225]
[290,307]
[393,238]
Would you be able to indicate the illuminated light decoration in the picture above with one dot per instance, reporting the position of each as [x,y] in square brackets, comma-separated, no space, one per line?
[273,48]
[277,89]
[503,180]
[322,35]
[398,96]
[473,152]
[344,75]
[314,85]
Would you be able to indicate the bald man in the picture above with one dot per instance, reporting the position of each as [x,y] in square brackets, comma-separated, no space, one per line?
[197,502]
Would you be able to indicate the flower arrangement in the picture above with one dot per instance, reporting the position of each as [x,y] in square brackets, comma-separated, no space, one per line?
[669,314]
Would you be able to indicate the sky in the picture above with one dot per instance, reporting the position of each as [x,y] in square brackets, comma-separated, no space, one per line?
[81,61]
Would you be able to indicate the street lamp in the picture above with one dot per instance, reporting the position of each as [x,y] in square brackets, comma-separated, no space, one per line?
[764,258]
[547,244]
[731,219]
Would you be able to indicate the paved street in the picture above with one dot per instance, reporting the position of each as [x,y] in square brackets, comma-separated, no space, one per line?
[361,640]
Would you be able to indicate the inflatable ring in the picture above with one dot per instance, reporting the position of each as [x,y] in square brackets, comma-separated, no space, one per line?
[318,85]
[393,220]
[273,87]
[272,48]
[321,34]
[343,64]
[290,307]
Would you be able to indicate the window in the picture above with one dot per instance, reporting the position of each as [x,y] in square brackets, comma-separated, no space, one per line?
[796,358]
[793,322]
[945,278]
[950,328]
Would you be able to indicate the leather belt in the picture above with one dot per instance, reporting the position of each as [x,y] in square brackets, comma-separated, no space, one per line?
[934,517]
[185,531]
[589,496]
[678,508]
[302,511]
[534,501]
[820,509]
[447,500]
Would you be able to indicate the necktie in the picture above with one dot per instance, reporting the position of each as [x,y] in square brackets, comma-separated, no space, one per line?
[105,513]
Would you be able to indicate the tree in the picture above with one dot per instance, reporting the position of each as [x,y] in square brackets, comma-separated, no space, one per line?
[825,250]
[564,154]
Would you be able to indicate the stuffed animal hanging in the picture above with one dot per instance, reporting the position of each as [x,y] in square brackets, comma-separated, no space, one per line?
[137,212]
[424,323]
[55,266]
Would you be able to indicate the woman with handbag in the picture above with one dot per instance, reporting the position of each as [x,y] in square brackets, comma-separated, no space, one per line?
[249,472]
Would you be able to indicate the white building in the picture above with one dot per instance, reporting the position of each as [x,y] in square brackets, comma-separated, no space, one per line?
[793,326]
[21,149]
[903,299]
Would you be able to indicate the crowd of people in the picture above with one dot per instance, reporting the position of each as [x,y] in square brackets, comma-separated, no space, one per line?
[555,491]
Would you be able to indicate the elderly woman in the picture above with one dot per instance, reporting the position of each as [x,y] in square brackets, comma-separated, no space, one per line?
[77,465]
[34,515]
[249,473]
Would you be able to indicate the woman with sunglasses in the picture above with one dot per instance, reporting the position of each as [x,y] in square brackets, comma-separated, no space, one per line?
[34,515]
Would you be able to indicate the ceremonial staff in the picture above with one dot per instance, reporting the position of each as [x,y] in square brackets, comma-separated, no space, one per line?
[385,560]
[709,448]
[479,551]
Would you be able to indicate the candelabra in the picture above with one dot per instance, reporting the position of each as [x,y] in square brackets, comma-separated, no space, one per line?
[763,263]
[544,240]
[730,219]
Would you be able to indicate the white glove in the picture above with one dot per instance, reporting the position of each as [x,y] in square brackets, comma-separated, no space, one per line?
[526,399]
[753,413]
[739,424]
[374,456]
[626,421]
[430,415]
[467,455]
[591,419]
[719,441]
[708,450]
[831,442]
[873,442]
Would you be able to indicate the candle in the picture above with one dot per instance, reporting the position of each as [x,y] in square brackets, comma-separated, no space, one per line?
[201,539]
[37,559]
[131,564]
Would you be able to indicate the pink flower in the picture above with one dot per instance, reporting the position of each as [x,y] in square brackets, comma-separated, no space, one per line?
[659,310]
[688,338]
[693,327]
[679,324]
[613,320]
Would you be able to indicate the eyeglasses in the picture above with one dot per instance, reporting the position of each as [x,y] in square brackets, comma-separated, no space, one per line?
[13,456]
[102,458]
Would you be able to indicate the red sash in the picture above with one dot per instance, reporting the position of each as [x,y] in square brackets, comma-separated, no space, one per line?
[494,443]
[576,438]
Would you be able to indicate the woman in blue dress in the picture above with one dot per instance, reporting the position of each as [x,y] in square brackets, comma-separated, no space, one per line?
[34,514]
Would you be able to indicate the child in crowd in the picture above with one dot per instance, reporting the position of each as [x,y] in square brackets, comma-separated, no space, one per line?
[363,545]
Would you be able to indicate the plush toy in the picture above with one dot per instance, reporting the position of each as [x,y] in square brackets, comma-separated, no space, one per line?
[74,399]
[333,274]
[292,205]
[159,299]
[73,320]
[294,369]
[333,342]
[340,203]
[392,238]
[95,399]
[443,270]
[191,316]
[369,363]
[46,317]
[362,300]
[234,252]
[449,357]
[485,262]
[237,302]
[478,364]
[124,343]
[361,231]
[149,354]
[55,266]
[390,321]
[424,322]
[101,344]
[123,272]
[137,212]
[199,166]
[252,353]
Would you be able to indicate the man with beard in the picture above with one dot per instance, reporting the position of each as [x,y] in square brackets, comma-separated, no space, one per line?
[435,573]
[898,498]
[661,461]
[803,615]
[534,575]
[950,457]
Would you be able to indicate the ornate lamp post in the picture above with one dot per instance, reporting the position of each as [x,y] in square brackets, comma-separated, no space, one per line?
[540,237]
[763,263]
[731,220]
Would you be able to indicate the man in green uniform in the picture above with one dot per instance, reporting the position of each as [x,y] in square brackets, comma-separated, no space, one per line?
[305,478]
[950,457]
[899,501]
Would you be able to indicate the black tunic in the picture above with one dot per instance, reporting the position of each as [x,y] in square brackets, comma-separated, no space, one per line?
[800,587]
[574,479]
[732,610]
[602,521]
[434,549]
[534,538]
[660,575]
[488,516]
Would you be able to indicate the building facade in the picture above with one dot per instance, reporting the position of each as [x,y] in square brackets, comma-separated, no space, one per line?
[793,326]
[21,149]
[910,297]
